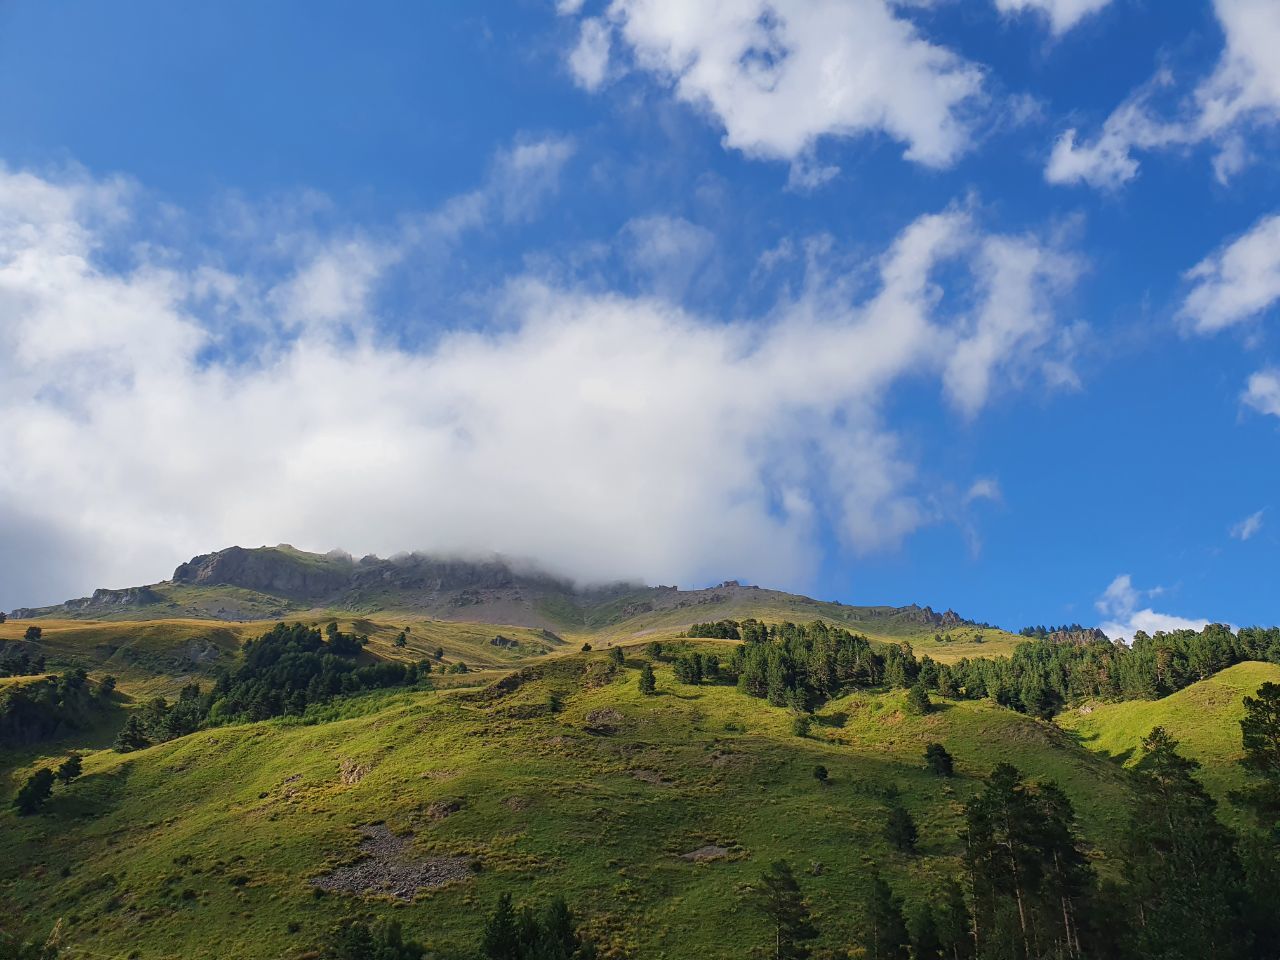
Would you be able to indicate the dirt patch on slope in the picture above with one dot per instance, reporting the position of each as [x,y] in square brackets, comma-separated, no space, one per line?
[387,867]
[703,854]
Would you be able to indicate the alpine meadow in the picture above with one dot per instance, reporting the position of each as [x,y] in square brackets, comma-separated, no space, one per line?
[777,479]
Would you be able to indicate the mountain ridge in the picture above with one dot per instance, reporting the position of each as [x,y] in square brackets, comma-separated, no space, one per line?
[239,583]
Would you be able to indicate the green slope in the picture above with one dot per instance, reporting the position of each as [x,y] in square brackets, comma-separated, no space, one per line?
[1205,717]
[204,847]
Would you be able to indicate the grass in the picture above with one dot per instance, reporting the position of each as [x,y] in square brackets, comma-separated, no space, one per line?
[1204,717]
[203,847]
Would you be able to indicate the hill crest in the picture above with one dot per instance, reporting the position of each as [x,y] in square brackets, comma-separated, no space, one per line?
[240,583]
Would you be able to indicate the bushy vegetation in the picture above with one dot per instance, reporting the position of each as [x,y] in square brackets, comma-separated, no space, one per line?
[281,673]
[47,708]
[20,662]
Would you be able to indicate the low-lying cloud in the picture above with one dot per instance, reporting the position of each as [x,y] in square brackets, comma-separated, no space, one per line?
[606,435]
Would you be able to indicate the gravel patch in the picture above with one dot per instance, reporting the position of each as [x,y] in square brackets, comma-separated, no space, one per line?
[387,867]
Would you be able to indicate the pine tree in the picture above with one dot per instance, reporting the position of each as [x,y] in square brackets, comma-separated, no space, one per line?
[616,656]
[777,897]
[401,640]
[70,768]
[131,736]
[1260,733]
[926,944]
[34,792]
[955,926]
[938,760]
[648,685]
[900,829]
[1184,876]
[501,939]
[918,702]
[886,935]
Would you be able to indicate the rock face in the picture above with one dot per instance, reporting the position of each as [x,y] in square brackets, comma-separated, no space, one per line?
[279,571]
[103,601]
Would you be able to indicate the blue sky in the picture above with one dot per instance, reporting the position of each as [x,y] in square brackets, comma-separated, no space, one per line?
[959,303]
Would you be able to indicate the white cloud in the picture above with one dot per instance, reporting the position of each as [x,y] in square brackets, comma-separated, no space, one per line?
[1237,283]
[606,435]
[1249,526]
[668,253]
[779,75]
[1263,392]
[1062,14]
[520,180]
[984,488]
[1243,92]
[1120,602]
[589,61]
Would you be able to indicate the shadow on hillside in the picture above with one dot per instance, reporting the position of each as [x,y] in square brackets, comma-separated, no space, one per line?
[1085,741]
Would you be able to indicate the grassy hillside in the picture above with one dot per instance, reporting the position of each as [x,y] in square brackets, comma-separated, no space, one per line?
[1205,717]
[562,780]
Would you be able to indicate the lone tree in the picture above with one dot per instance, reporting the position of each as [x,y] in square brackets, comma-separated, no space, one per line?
[820,773]
[938,760]
[70,768]
[900,829]
[648,686]
[616,657]
[401,640]
[918,702]
[777,897]
[586,648]
[801,724]
[33,633]
[34,792]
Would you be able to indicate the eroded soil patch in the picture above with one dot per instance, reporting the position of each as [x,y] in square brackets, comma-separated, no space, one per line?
[387,867]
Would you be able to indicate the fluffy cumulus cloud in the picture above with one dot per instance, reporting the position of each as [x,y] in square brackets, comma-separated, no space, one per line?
[1121,605]
[1263,392]
[1062,14]
[1236,285]
[605,435]
[778,75]
[1243,92]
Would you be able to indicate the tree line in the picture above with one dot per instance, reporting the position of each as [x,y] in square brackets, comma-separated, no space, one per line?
[280,673]
[805,665]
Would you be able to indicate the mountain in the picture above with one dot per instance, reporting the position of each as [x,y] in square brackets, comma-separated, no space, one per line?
[239,584]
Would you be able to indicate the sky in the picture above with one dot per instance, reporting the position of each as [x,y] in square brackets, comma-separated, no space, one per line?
[969,303]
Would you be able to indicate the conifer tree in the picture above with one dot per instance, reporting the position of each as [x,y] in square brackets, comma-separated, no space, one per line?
[648,685]
[1184,876]
[777,897]
[938,760]
[918,702]
[34,792]
[131,736]
[886,935]
[900,829]
[70,768]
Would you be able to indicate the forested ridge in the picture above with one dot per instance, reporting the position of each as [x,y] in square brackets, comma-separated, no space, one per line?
[804,665]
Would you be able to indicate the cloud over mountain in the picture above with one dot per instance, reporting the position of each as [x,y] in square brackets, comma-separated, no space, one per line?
[157,403]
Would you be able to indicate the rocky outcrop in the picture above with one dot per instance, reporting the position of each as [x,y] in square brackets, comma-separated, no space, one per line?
[103,601]
[275,570]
